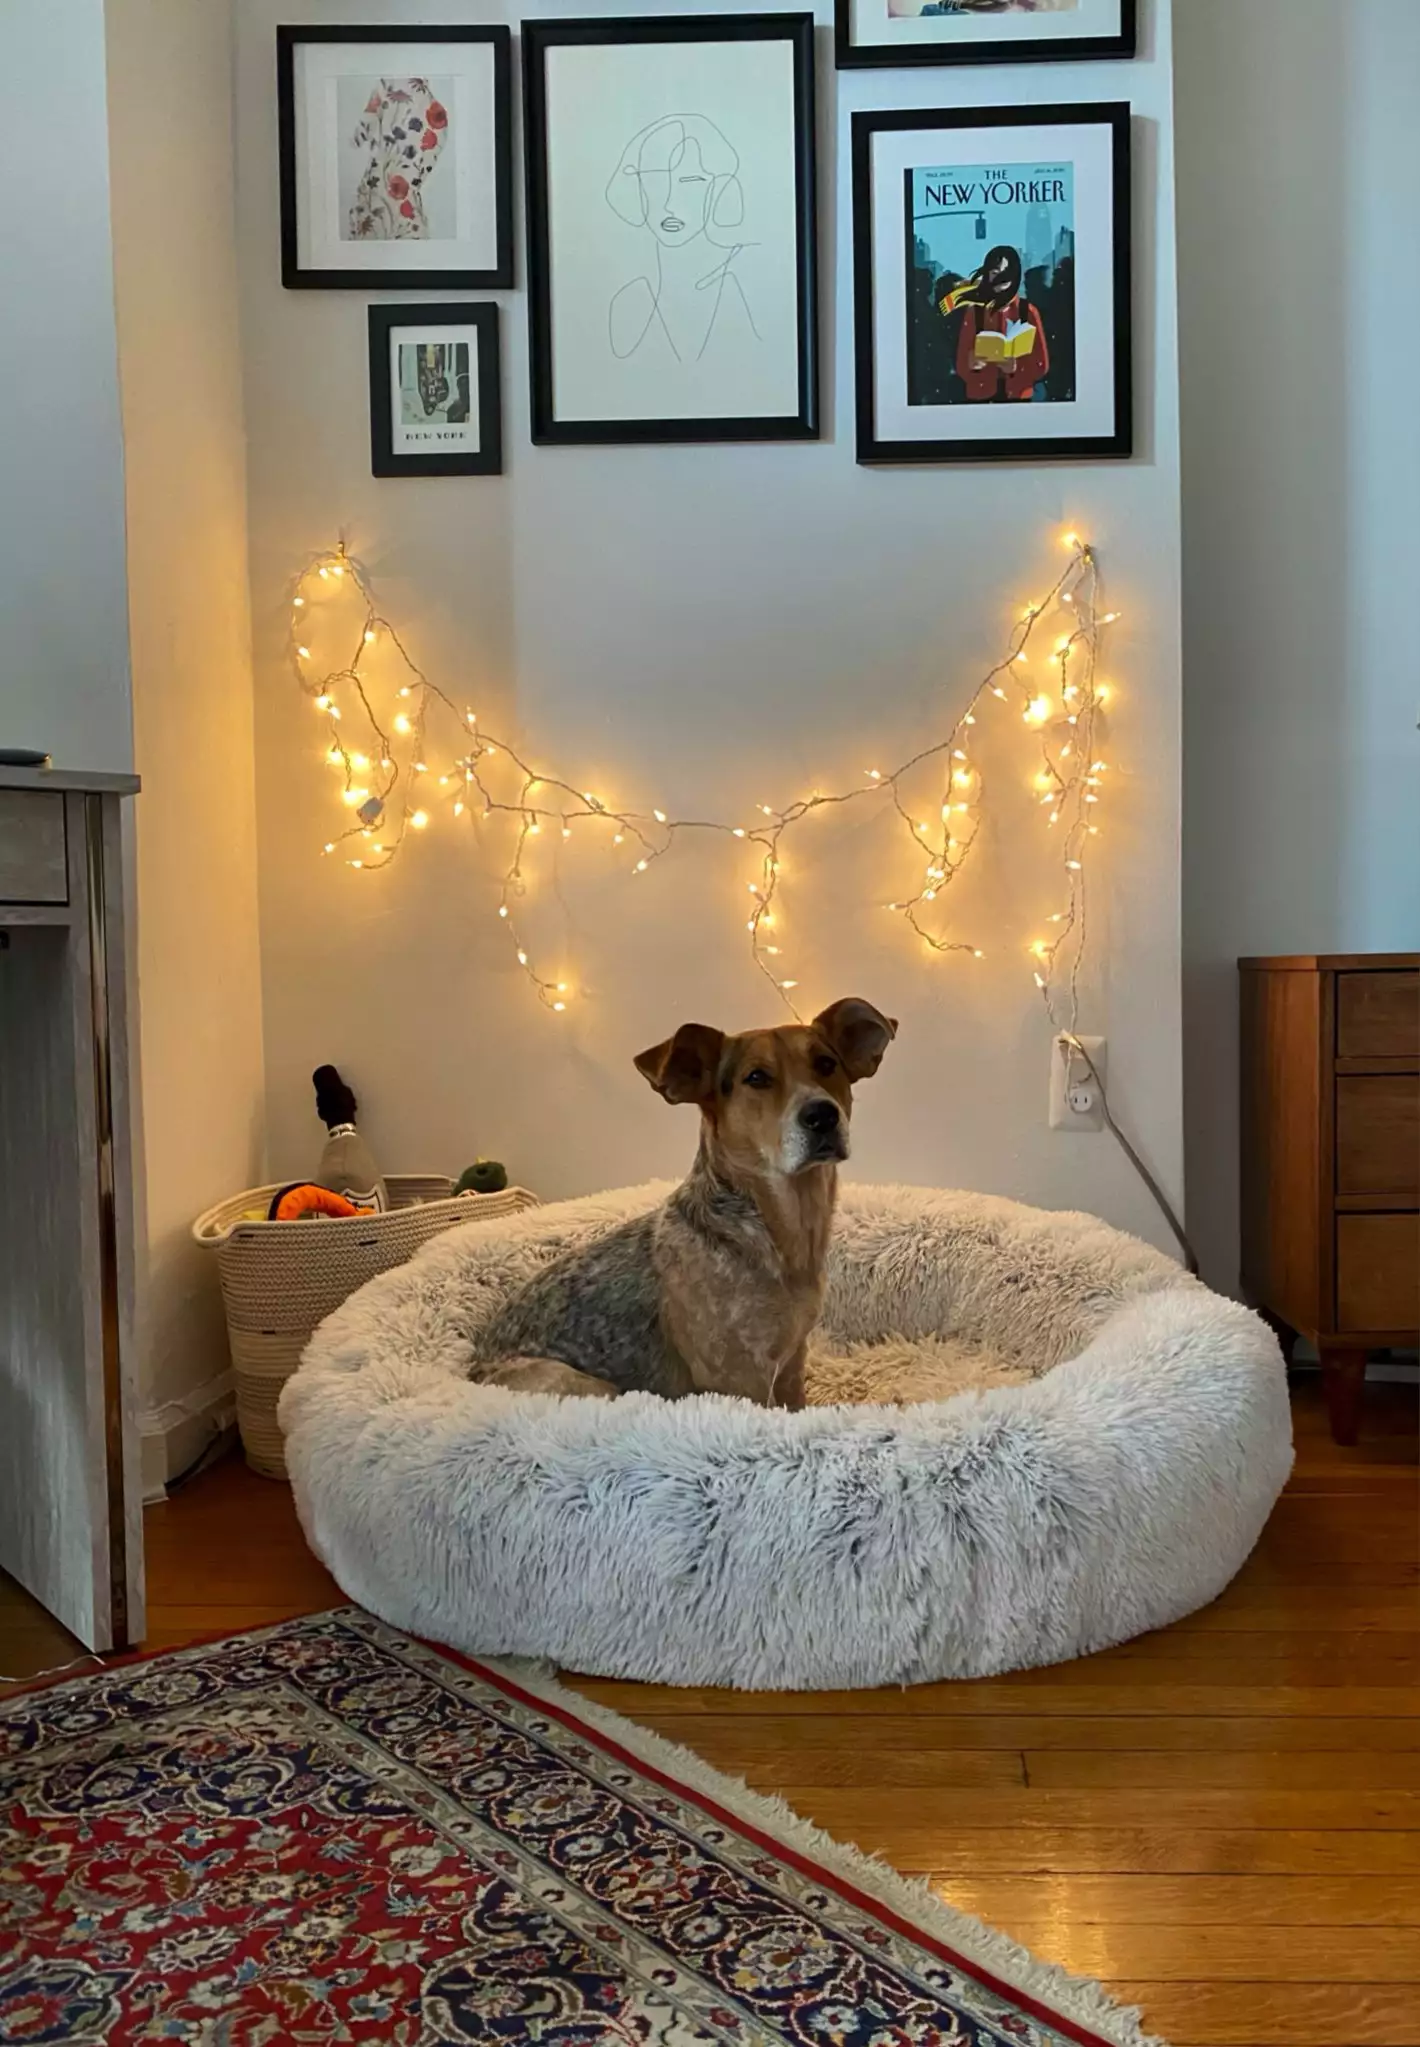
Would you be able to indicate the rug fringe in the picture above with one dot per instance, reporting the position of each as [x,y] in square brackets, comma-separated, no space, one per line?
[1078,1998]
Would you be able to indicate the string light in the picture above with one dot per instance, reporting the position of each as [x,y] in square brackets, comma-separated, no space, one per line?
[1068,741]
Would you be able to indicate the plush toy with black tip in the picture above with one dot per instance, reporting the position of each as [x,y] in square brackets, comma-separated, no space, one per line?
[346,1164]
[484,1176]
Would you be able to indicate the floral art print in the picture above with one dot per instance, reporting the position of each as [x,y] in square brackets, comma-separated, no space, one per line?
[401,133]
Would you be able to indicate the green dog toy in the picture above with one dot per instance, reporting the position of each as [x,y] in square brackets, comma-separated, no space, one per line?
[484,1176]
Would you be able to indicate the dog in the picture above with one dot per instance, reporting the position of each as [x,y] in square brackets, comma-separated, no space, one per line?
[718,1289]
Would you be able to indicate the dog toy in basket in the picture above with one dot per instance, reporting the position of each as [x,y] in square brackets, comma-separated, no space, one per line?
[302,1200]
[347,1166]
[484,1176]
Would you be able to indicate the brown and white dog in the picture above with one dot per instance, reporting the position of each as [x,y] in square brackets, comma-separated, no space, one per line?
[717,1290]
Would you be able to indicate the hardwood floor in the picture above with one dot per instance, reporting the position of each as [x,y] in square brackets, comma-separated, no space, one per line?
[1221,1821]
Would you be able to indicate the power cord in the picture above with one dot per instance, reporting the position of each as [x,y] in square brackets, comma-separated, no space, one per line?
[54,1669]
[1077,1050]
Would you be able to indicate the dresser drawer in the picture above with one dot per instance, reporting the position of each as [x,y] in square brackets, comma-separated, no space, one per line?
[1377,1273]
[1378,1016]
[1378,1135]
[33,867]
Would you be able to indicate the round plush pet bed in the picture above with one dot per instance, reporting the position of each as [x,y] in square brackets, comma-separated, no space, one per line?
[1072,1443]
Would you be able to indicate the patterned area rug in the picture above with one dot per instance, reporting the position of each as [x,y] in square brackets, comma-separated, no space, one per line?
[327,1832]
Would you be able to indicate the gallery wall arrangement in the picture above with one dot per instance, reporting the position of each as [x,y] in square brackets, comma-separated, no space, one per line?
[672,278]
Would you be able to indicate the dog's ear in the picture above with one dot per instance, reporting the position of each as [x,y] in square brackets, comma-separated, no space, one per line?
[858,1033]
[685,1067]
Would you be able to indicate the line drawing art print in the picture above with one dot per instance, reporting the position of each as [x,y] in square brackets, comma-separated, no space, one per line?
[678,184]
[671,228]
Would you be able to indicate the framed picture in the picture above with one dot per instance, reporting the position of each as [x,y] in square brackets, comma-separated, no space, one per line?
[396,164]
[982,31]
[435,406]
[992,284]
[671,221]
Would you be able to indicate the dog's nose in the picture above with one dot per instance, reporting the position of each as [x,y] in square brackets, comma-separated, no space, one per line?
[820,1117]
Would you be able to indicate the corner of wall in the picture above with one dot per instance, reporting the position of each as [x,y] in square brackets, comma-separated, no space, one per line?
[199,981]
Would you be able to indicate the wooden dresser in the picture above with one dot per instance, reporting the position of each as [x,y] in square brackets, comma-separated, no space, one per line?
[1331,1158]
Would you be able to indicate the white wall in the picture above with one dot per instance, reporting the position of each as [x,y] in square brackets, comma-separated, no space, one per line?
[1299,161]
[703,628]
[63,610]
[199,971]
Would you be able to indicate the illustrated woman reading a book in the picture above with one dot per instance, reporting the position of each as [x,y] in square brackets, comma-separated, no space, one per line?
[1002,352]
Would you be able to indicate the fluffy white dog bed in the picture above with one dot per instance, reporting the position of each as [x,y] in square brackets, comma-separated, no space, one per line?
[1094,1444]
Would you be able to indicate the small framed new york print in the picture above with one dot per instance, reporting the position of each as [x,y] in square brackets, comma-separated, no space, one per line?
[435,392]
[982,31]
[991,278]
[396,157]
[671,228]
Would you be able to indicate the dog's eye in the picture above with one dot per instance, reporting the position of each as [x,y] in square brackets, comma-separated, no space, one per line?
[825,1064]
[757,1077]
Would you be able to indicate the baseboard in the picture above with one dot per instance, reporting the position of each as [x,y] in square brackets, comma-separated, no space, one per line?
[174,1435]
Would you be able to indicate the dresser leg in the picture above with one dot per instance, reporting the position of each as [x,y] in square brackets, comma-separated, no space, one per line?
[1343,1374]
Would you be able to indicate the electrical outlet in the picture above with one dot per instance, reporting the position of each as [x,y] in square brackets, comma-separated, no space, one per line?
[1074,1095]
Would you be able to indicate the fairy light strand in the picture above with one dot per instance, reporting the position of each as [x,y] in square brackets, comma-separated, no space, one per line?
[391,789]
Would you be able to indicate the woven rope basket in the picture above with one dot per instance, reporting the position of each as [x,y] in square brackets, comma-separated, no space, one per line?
[281,1280]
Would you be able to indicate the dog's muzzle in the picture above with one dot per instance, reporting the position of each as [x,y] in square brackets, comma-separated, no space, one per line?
[822,1124]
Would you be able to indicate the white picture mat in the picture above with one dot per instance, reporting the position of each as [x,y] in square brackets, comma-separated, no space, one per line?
[1091,414]
[600,96]
[870,22]
[462,438]
[469,155]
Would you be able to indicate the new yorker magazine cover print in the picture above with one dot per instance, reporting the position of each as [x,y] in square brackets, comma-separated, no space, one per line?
[991,284]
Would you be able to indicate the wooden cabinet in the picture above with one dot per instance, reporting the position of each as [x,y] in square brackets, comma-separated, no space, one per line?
[1331,1157]
[70,1509]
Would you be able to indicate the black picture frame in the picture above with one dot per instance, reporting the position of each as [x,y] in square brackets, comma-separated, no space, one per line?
[548,430]
[487,458]
[1062,49]
[294,276]
[1117,445]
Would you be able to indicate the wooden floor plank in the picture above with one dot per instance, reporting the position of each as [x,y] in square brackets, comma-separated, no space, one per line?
[1252,1609]
[1121,1900]
[1230,1954]
[1207,2014]
[770,1761]
[730,1739]
[1236,1770]
[1271,1571]
[1103,1851]
[1011,1696]
[887,1812]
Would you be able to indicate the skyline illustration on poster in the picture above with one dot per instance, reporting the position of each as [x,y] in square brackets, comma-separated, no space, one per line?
[991,284]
